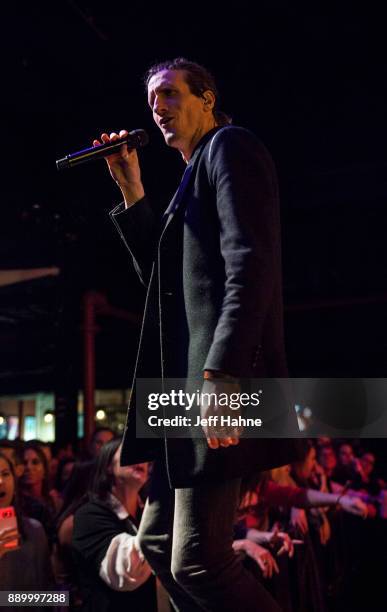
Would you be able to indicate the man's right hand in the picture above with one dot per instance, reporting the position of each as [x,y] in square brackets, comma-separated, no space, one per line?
[124,169]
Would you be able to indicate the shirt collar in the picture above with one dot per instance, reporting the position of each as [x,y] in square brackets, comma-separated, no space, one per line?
[118,508]
[204,139]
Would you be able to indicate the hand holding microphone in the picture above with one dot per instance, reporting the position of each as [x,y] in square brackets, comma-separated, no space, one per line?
[119,151]
[124,167]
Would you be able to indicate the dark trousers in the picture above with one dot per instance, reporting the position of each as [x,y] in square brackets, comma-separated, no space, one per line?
[186,536]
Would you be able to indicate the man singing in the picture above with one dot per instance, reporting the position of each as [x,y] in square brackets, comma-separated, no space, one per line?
[212,266]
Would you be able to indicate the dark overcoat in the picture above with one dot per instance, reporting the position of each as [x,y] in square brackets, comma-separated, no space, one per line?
[214,301]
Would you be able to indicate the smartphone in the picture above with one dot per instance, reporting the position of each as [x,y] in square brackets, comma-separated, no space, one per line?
[8,522]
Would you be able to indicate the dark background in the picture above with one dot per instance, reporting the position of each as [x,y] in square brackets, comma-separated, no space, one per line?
[311,85]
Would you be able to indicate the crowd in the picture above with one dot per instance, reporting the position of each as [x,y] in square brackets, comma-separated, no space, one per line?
[307,530]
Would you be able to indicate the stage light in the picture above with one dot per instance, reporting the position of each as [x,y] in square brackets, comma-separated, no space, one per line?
[100,415]
[48,417]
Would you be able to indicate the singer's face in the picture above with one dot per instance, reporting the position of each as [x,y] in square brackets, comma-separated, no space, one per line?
[182,117]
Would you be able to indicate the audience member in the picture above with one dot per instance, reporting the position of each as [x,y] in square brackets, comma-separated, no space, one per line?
[290,531]
[348,470]
[65,469]
[100,436]
[75,494]
[369,482]
[327,460]
[112,570]
[27,567]
[35,481]
[37,500]
[13,450]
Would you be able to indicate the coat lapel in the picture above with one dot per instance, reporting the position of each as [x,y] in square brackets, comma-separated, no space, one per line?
[177,198]
[179,195]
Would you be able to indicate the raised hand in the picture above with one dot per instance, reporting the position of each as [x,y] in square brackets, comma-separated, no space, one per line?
[353,505]
[261,556]
[124,168]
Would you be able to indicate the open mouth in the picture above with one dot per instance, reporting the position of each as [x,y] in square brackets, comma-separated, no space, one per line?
[2,494]
[165,120]
[139,469]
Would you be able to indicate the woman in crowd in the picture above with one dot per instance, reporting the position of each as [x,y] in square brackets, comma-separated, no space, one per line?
[74,496]
[112,570]
[27,566]
[264,502]
[319,561]
[277,489]
[35,480]
[37,500]
[63,474]
[327,460]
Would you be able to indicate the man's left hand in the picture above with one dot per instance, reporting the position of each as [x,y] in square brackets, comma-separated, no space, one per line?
[219,434]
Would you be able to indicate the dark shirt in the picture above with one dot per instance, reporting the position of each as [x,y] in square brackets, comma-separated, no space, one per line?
[95,525]
[43,513]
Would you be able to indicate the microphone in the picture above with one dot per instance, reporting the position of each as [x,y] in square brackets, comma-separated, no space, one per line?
[134,140]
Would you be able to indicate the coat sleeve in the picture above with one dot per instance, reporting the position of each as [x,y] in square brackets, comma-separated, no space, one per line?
[243,178]
[138,228]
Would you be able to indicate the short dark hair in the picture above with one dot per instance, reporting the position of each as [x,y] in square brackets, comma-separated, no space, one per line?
[198,79]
